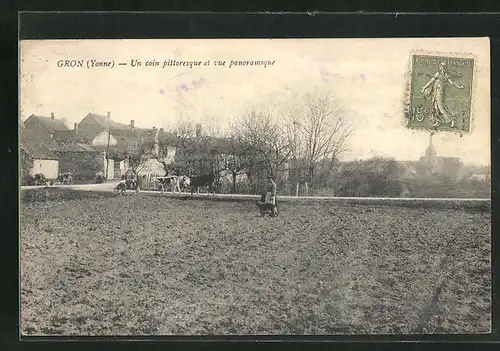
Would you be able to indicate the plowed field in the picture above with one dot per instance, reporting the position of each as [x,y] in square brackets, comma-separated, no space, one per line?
[154,266]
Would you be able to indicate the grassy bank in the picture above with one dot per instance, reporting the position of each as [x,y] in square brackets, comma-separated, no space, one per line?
[56,193]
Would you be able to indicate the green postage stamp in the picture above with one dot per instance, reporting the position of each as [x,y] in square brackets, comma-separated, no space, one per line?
[440,95]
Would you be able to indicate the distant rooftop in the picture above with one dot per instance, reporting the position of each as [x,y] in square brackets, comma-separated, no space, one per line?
[106,121]
[51,123]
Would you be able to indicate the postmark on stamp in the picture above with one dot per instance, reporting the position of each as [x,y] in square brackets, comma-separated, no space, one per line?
[440,93]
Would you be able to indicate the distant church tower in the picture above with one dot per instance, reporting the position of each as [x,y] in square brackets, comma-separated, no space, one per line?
[430,157]
[430,151]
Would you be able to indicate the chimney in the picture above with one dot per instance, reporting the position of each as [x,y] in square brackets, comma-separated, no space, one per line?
[109,114]
[132,123]
[75,128]
[52,115]
[198,130]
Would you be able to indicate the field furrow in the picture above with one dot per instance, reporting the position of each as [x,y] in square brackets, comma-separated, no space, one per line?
[152,265]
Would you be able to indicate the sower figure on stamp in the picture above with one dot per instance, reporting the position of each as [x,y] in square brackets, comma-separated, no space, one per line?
[435,87]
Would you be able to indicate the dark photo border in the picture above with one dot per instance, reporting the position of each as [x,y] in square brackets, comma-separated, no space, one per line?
[148,25]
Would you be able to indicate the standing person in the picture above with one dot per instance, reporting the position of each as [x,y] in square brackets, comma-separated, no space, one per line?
[271,195]
[138,181]
[271,188]
[268,199]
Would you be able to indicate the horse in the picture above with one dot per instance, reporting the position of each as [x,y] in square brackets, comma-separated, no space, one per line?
[207,180]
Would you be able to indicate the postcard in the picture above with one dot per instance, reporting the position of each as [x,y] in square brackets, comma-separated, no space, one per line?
[255,187]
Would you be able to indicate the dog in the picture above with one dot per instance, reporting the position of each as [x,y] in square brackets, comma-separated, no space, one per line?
[266,207]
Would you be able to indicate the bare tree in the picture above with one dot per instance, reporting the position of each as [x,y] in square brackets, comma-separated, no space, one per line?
[234,156]
[137,155]
[184,131]
[194,149]
[161,153]
[212,127]
[318,131]
[264,138]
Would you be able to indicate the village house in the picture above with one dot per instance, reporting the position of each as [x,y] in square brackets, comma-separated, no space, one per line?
[481,176]
[79,159]
[36,156]
[56,149]
[198,154]
[478,173]
[157,139]
[120,141]
[96,144]
[201,154]
[45,128]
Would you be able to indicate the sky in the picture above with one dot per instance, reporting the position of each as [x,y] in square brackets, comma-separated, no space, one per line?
[368,77]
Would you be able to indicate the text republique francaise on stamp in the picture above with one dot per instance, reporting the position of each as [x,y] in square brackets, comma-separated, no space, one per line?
[440,95]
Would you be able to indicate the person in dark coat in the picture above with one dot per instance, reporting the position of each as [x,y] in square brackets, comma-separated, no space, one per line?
[268,199]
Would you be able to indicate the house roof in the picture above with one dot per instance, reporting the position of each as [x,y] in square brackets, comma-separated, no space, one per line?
[167,138]
[64,135]
[210,144]
[39,153]
[49,123]
[35,145]
[105,122]
[72,146]
[227,145]
[124,132]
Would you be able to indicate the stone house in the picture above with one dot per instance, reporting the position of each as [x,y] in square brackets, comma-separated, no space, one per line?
[36,156]
[122,141]
[45,128]
[56,149]
[81,160]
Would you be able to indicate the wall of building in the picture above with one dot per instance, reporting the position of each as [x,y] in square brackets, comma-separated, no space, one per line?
[170,157]
[102,140]
[153,167]
[483,177]
[89,128]
[120,168]
[111,168]
[49,168]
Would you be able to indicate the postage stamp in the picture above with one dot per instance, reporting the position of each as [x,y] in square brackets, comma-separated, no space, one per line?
[440,96]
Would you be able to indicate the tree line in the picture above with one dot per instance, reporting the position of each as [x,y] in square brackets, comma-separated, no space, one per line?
[300,146]
[295,145]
